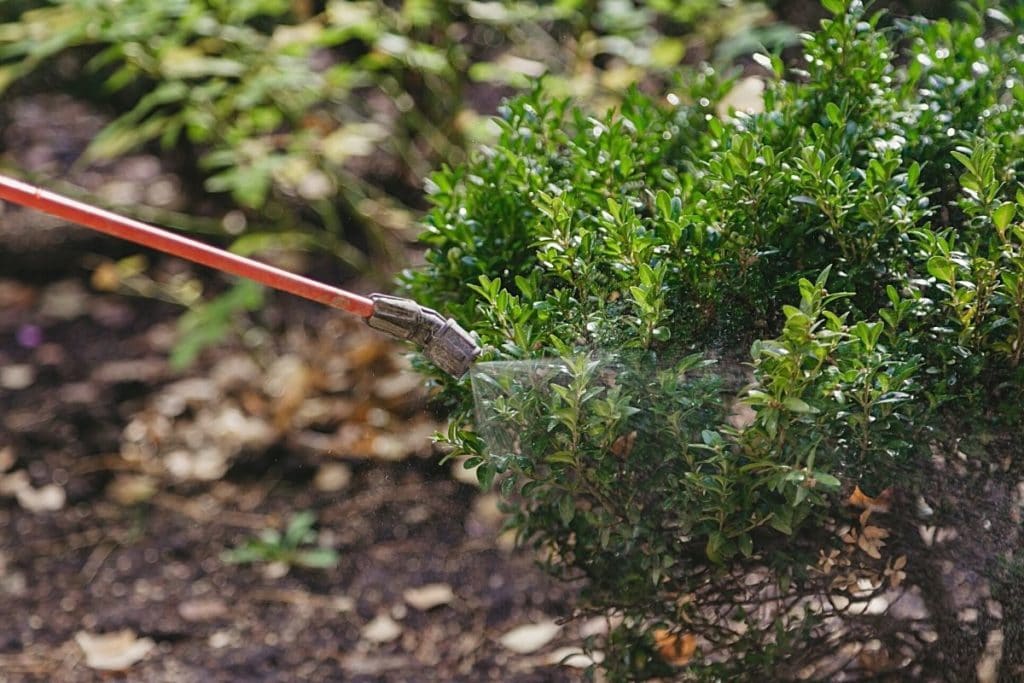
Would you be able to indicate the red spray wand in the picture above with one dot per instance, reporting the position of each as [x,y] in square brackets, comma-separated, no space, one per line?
[443,341]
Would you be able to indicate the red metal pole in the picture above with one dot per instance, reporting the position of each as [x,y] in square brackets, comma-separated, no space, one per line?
[156,238]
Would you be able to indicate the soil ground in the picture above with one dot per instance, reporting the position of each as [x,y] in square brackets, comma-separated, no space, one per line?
[104,527]
[150,560]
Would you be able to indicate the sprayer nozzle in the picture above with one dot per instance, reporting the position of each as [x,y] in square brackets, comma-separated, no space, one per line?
[442,341]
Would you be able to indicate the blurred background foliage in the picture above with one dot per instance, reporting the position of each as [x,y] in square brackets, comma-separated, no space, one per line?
[320,119]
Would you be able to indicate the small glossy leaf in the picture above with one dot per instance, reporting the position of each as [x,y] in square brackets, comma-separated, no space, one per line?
[835,116]
[566,509]
[827,481]
[745,544]
[1003,215]
[942,268]
[835,7]
[797,405]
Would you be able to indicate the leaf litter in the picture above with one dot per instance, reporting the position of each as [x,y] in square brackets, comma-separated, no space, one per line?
[116,651]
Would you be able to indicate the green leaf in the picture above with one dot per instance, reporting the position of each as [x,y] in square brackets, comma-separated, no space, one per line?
[189,62]
[318,558]
[661,334]
[941,268]
[715,546]
[1003,215]
[508,486]
[666,52]
[782,520]
[827,480]
[835,7]
[746,544]
[913,174]
[561,458]
[254,243]
[242,555]
[121,137]
[964,160]
[485,474]
[834,115]
[799,496]
[211,322]
[796,405]
[300,525]
[711,437]
[566,509]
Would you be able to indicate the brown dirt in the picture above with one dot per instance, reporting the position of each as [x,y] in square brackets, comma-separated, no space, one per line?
[99,564]
[79,368]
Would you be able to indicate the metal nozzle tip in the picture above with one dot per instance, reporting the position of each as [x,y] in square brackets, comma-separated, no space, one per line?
[443,341]
[452,349]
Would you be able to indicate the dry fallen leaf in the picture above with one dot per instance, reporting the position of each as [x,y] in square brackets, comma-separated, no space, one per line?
[895,572]
[827,562]
[130,489]
[17,376]
[106,277]
[398,388]
[429,596]
[7,458]
[11,483]
[290,381]
[383,629]
[275,570]
[64,300]
[742,415]
[870,540]
[47,498]
[202,609]
[575,658]
[858,499]
[332,476]
[872,548]
[113,651]
[844,582]
[676,649]
[530,638]
[219,640]
[366,353]
[988,667]
[623,445]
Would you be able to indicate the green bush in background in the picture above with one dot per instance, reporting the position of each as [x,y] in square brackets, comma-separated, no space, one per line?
[863,238]
[342,107]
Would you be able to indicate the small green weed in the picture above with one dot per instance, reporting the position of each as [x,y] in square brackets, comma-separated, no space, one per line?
[290,548]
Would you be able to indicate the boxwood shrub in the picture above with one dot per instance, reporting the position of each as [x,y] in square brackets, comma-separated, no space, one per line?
[743,316]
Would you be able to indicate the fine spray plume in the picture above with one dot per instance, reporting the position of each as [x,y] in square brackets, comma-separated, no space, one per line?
[554,411]
[441,340]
